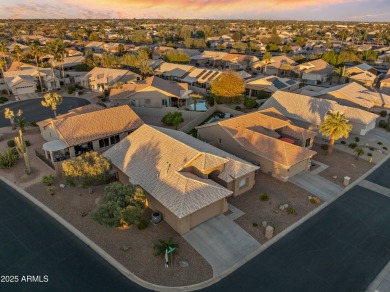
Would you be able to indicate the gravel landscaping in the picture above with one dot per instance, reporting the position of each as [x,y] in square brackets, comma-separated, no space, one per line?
[256,211]
[341,164]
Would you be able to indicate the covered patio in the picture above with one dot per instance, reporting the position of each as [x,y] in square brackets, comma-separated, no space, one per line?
[56,151]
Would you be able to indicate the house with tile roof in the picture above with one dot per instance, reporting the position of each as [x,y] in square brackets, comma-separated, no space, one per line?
[314,72]
[265,138]
[184,178]
[95,47]
[87,128]
[309,112]
[354,95]
[278,65]
[385,83]
[152,92]
[269,85]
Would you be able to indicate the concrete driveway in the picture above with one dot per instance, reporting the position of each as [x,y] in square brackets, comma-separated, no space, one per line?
[221,242]
[317,185]
[378,135]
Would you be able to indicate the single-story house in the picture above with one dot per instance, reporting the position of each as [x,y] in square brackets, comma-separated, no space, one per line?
[152,92]
[385,83]
[95,47]
[309,112]
[316,71]
[184,178]
[278,65]
[265,138]
[269,84]
[86,128]
[69,62]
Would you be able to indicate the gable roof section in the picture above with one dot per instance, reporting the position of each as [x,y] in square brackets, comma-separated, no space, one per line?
[154,158]
[314,110]
[82,128]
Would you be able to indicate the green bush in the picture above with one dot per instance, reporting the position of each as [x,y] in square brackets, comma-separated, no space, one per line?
[383,114]
[238,108]
[357,140]
[11,143]
[143,224]
[250,103]
[264,197]
[343,142]
[388,128]
[48,179]
[291,211]
[81,92]
[352,145]
[51,190]
[28,143]
[382,124]
[380,143]
[254,224]
[164,245]
[369,154]
[71,89]
[33,124]
[385,148]
[324,146]
[371,148]
[9,158]
[173,119]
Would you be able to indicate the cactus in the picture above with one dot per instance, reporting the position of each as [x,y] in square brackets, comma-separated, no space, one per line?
[21,147]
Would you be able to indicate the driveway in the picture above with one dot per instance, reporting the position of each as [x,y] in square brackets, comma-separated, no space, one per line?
[378,135]
[317,185]
[34,244]
[33,111]
[221,242]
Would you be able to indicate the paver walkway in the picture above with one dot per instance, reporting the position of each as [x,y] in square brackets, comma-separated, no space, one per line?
[221,242]
[317,185]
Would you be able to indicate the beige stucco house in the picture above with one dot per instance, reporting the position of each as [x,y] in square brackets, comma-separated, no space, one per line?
[269,84]
[184,178]
[86,128]
[152,92]
[385,83]
[265,138]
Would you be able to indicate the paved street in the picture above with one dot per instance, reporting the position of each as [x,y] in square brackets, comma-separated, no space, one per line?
[33,243]
[342,248]
[33,111]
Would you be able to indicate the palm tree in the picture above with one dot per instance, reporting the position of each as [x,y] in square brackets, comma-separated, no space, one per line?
[195,97]
[3,64]
[50,49]
[335,127]
[17,51]
[266,59]
[37,52]
[52,100]
[359,152]
[3,49]
[145,67]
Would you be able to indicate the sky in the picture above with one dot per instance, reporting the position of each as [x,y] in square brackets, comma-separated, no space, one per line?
[332,10]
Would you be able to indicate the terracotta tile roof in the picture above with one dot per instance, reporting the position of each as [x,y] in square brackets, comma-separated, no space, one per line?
[155,158]
[271,149]
[86,127]
[314,110]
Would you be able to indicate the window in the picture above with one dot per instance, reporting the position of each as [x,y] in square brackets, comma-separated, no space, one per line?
[164,102]
[147,101]
[243,183]
[219,141]
[114,139]
[104,142]
[307,143]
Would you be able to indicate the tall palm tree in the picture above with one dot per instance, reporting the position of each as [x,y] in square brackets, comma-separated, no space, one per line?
[266,59]
[17,51]
[51,50]
[145,67]
[335,127]
[37,52]
[3,49]
[3,64]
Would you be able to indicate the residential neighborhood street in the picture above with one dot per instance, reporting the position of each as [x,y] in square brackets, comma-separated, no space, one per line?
[33,111]
[32,243]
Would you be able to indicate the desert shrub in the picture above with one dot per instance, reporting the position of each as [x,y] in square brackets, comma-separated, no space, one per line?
[315,200]
[48,179]
[250,103]
[388,128]
[238,108]
[164,245]
[121,205]
[173,119]
[264,197]
[71,89]
[291,211]
[9,158]
[254,224]
[28,143]
[51,190]
[33,124]
[385,148]
[371,148]
[383,114]
[382,124]
[324,146]
[369,154]
[343,142]
[11,143]
[380,143]
[352,145]
[81,92]
[357,140]
[143,224]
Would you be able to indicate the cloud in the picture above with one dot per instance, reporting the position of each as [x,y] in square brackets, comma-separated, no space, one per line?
[155,8]
[368,16]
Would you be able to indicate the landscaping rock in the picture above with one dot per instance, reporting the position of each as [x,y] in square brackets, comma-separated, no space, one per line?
[309,197]
[285,206]
[269,232]
[62,186]
[335,177]
[183,264]
[276,211]
[264,223]
[281,207]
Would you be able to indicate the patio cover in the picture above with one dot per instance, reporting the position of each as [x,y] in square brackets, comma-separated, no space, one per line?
[55,145]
